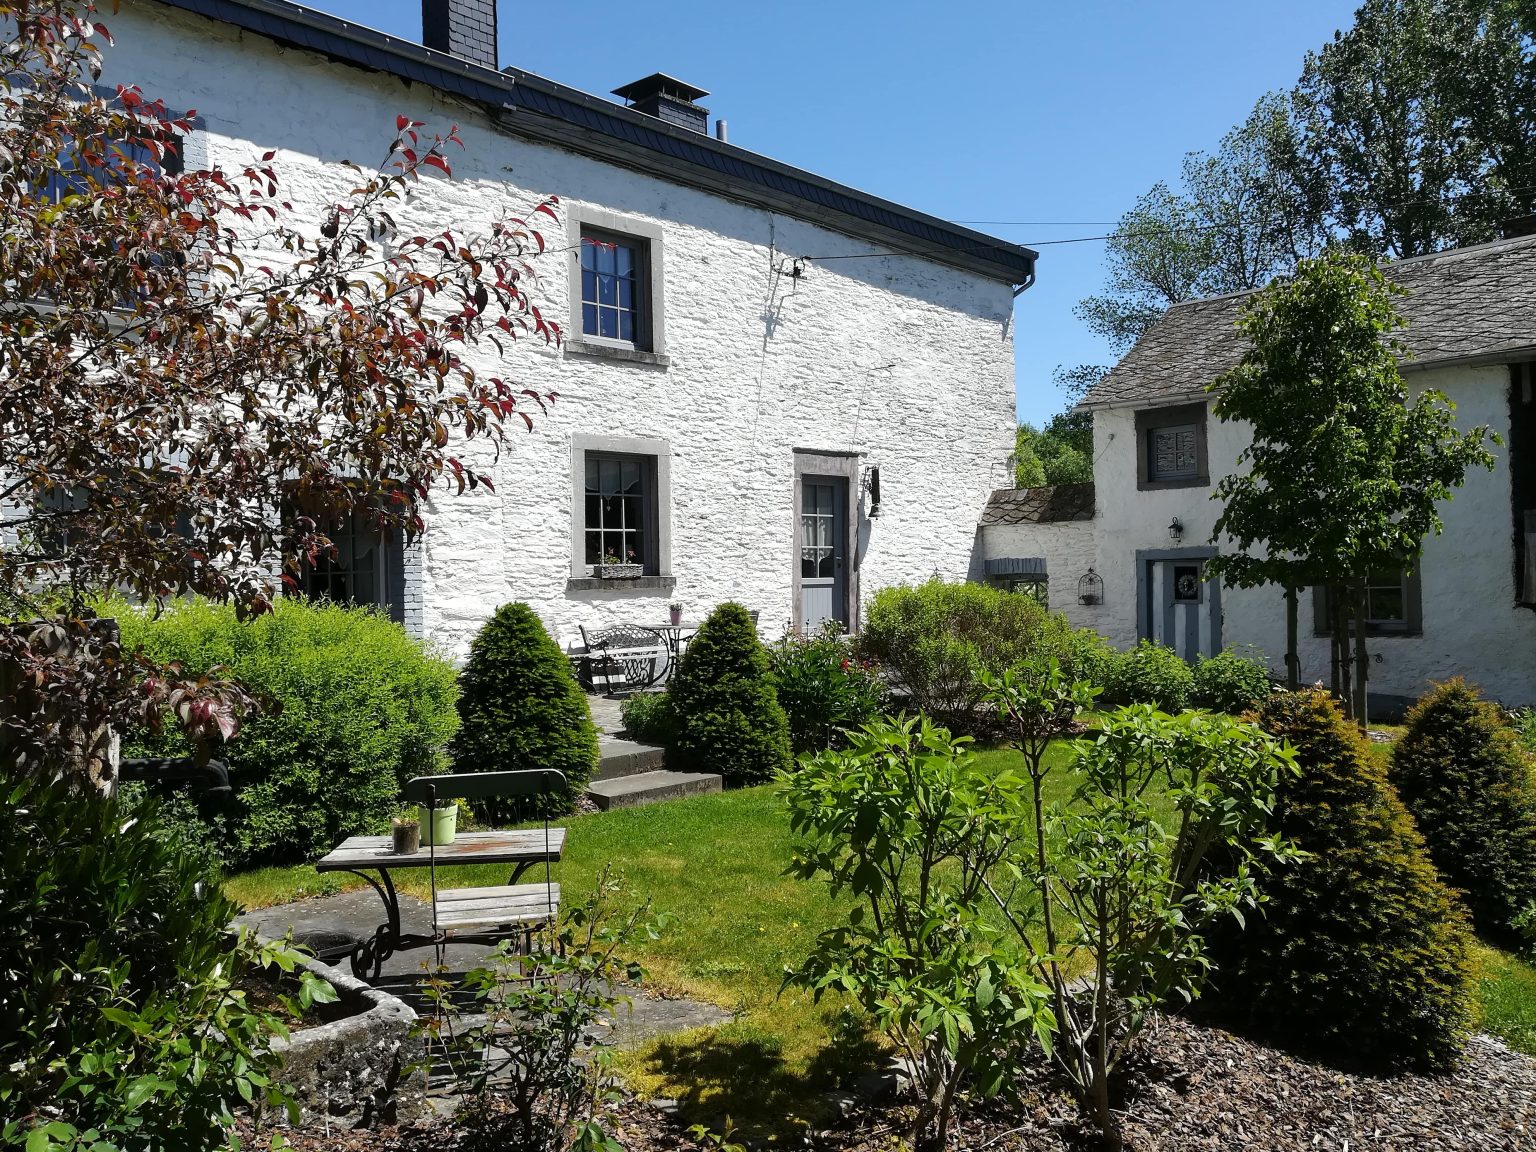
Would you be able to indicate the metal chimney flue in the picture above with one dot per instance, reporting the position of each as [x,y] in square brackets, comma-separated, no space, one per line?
[720,132]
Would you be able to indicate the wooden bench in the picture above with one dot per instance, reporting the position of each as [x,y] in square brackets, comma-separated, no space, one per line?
[627,657]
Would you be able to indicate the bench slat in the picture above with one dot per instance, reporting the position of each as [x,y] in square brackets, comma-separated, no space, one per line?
[490,907]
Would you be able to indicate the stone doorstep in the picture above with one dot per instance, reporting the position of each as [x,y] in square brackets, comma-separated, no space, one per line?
[626,758]
[650,788]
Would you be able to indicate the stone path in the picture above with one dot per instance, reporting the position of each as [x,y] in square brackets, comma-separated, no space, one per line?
[352,916]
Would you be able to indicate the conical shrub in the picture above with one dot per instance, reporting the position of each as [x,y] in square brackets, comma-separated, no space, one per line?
[521,708]
[727,715]
[1470,787]
[1360,951]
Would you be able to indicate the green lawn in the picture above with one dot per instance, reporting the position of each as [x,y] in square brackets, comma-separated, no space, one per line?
[716,864]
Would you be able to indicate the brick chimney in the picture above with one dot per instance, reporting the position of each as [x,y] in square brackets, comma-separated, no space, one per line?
[463,28]
[667,98]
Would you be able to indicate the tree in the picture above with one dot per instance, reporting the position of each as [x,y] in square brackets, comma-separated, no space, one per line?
[199,381]
[1060,454]
[1344,473]
[1416,124]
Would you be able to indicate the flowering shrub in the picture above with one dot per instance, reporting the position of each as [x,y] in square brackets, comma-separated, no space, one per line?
[824,688]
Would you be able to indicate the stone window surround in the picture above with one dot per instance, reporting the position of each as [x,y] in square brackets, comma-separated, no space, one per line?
[579,218]
[1411,626]
[662,580]
[1150,419]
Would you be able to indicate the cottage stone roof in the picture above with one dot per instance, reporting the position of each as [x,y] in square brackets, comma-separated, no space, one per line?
[1039,505]
[1475,304]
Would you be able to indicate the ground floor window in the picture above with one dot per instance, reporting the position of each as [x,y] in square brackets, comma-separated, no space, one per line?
[1037,588]
[620,510]
[1393,604]
[366,569]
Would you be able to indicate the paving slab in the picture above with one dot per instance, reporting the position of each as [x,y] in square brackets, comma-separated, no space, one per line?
[631,791]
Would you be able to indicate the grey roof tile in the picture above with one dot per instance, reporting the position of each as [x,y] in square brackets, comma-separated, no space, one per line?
[1039,505]
[1461,304]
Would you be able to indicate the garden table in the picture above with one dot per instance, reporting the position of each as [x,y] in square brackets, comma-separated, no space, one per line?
[362,855]
[677,637]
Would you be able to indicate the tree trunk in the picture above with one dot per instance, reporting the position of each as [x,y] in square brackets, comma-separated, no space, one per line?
[1292,659]
[1362,717]
[1335,629]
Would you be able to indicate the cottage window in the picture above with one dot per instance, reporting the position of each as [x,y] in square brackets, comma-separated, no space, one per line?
[1393,605]
[1171,448]
[366,569]
[616,288]
[620,510]
[1037,588]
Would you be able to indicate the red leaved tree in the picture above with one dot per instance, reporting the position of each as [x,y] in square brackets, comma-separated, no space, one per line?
[199,381]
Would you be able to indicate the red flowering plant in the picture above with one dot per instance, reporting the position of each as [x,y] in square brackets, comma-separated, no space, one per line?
[199,380]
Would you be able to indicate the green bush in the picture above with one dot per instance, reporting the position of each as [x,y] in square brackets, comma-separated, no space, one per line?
[727,713]
[521,708]
[648,718]
[116,1011]
[1361,951]
[937,639]
[1091,658]
[1228,682]
[1150,673]
[355,708]
[824,688]
[1471,790]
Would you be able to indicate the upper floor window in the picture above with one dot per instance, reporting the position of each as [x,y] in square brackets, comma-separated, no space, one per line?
[105,165]
[1170,447]
[616,287]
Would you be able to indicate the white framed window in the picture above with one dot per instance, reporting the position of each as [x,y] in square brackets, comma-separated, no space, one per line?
[617,287]
[621,510]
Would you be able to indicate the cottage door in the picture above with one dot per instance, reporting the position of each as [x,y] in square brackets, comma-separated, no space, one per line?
[1181,609]
[823,571]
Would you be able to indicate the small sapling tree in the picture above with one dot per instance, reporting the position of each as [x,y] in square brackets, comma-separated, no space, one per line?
[201,381]
[1344,473]
[1115,874]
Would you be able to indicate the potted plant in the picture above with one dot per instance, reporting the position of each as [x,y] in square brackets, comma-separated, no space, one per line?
[438,826]
[406,830]
[676,609]
[615,567]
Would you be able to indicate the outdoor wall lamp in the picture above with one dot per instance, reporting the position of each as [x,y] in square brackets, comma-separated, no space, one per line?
[1175,529]
[872,487]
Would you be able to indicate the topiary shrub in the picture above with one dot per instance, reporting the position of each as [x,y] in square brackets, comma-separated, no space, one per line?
[1472,792]
[648,718]
[520,708]
[117,1004]
[1150,673]
[824,688]
[1360,951]
[354,708]
[727,713]
[1228,682]
[936,640]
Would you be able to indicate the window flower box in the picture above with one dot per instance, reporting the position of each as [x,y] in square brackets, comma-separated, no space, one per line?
[619,571]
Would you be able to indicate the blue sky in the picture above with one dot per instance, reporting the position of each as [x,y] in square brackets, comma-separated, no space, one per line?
[992,110]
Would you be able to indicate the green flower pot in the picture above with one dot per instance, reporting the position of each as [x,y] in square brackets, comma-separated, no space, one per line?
[442,825]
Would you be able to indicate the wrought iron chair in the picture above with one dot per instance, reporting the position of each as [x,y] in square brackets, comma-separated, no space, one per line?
[627,657]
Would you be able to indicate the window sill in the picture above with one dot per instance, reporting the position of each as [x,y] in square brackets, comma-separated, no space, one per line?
[649,584]
[614,352]
[1160,485]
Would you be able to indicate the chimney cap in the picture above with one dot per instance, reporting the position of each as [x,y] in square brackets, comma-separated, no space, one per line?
[659,84]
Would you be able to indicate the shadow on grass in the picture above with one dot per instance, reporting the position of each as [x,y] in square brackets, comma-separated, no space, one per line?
[738,1070]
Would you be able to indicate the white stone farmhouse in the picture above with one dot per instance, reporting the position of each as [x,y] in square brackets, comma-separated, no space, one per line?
[754,355]
[1126,557]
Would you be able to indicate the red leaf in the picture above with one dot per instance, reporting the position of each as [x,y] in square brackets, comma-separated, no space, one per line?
[265,156]
[401,122]
[437,161]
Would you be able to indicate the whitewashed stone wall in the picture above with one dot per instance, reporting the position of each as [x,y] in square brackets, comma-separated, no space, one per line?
[908,361]
[1472,627]
[1068,547]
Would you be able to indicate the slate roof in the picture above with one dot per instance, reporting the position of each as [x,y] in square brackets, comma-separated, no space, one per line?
[1039,505]
[541,109]
[1463,305]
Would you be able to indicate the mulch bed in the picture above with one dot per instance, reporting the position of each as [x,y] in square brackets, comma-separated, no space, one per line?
[1205,1090]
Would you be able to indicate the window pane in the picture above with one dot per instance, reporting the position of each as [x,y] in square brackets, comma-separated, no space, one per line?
[1385,604]
[608,323]
[594,548]
[607,291]
[589,319]
[626,288]
[627,326]
[623,259]
[588,285]
[588,258]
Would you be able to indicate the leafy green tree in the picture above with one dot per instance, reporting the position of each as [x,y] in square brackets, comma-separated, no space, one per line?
[1061,453]
[1344,474]
[520,708]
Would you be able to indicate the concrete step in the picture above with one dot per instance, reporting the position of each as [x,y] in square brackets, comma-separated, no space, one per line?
[617,758]
[650,788]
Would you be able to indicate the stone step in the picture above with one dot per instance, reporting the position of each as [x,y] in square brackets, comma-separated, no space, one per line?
[617,758]
[650,788]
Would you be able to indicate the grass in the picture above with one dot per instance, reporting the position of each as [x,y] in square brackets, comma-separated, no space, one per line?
[716,865]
